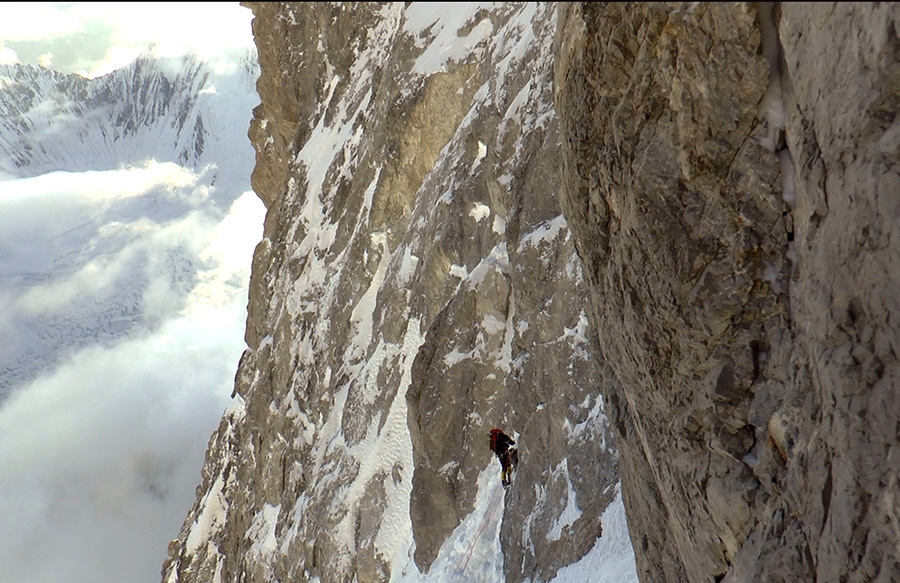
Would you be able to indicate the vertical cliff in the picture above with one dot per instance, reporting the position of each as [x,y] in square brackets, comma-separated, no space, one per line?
[732,186]
[416,286]
[672,224]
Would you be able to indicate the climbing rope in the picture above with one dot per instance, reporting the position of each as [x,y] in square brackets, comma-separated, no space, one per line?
[496,497]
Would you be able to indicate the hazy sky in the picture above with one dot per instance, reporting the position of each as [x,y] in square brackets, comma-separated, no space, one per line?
[100,454]
[94,38]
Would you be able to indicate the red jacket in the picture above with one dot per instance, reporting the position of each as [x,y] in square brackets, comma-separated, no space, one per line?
[500,442]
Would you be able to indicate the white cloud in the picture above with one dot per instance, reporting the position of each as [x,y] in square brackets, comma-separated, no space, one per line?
[22,21]
[231,247]
[68,231]
[209,29]
[116,57]
[125,291]
[100,458]
[101,455]
[97,185]
[8,56]
[46,59]
[123,30]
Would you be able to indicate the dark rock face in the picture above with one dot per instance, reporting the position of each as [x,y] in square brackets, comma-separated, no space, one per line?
[736,232]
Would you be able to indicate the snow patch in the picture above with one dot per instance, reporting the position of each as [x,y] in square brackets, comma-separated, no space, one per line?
[577,336]
[571,512]
[407,269]
[611,560]
[595,423]
[443,26]
[237,409]
[771,107]
[770,275]
[499,225]
[546,231]
[454,357]
[787,177]
[472,553]
[262,530]
[480,212]
[363,313]
[459,271]
[211,517]
[482,152]
[496,260]
[492,325]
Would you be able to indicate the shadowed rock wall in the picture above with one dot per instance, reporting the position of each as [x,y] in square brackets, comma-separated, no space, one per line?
[732,185]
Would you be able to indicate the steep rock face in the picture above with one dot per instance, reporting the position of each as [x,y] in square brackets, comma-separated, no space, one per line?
[731,184]
[416,286]
[728,176]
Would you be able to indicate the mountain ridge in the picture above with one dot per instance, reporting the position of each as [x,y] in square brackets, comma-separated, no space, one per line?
[154,108]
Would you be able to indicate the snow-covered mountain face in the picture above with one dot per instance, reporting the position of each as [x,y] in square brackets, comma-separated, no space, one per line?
[111,164]
[416,286]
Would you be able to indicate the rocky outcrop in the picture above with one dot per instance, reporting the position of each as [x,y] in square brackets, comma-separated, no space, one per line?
[731,184]
[416,285]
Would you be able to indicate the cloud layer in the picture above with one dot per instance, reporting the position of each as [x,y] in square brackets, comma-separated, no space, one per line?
[123,297]
[101,454]
[94,38]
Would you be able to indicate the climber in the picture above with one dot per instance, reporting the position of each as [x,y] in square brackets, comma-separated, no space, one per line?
[504,448]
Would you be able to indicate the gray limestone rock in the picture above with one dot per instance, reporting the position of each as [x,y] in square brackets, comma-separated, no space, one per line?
[731,185]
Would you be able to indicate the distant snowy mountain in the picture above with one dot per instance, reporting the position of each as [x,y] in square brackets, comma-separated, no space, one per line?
[170,110]
[104,185]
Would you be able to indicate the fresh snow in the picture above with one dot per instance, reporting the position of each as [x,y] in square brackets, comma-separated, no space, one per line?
[594,426]
[480,211]
[482,153]
[211,516]
[571,512]
[547,231]
[442,27]
[472,553]
[262,531]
